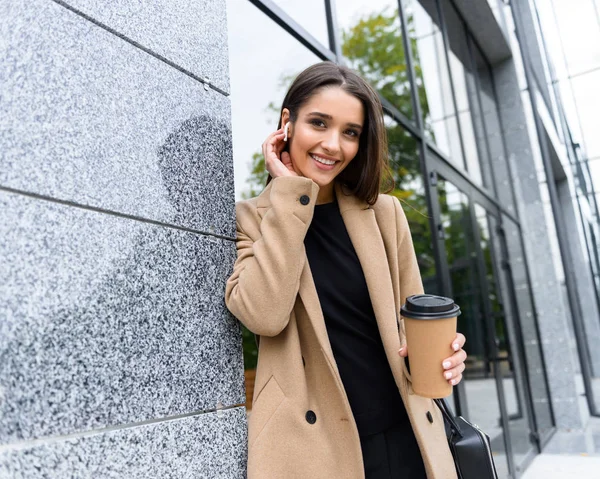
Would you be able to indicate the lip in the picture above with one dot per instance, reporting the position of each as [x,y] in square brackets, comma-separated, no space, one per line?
[330,158]
[322,166]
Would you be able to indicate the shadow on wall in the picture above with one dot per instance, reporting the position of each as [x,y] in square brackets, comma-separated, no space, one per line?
[195,163]
[113,321]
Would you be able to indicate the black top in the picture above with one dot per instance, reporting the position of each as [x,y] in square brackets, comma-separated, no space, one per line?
[351,324]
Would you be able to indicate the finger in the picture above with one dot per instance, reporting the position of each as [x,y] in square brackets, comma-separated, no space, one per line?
[271,155]
[454,372]
[286,159]
[456,380]
[454,360]
[276,168]
[272,137]
[274,141]
[459,341]
[403,351]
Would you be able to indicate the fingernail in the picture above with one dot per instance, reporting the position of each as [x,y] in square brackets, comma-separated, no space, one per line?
[446,364]
[455,346]
[447,374]
[401,349]
[453,382]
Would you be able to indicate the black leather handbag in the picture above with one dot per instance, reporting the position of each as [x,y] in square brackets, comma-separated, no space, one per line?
[469,445]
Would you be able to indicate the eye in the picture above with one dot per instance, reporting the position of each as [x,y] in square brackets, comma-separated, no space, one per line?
[317,122]
[352,133]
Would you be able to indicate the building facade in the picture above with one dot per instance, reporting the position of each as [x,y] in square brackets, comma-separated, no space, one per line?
[481,155]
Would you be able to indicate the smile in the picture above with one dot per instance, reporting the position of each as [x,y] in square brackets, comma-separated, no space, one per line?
[323,160]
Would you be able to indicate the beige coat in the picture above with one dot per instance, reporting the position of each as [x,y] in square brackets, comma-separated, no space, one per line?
[272,292]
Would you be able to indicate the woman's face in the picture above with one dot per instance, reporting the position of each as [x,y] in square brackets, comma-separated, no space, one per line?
[325,136]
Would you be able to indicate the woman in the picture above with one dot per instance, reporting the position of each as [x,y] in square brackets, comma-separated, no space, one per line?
[324,264]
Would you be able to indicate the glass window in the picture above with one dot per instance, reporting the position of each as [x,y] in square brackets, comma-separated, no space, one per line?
[583,172]
[309,14]
[575,19]
[433,81]
[405,164]
[504,328]
[483,397]
[258,84]
[567,98]
[372,45]
[552,38]
[465,91]
[587,100]
[594,167]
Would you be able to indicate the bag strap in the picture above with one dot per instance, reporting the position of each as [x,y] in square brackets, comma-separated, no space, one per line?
[441,403]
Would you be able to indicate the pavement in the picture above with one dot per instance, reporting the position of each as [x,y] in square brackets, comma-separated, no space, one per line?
[563,466]
[569,454]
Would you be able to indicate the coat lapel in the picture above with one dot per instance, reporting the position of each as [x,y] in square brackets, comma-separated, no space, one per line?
[367,241]
[307,290]
[364,233]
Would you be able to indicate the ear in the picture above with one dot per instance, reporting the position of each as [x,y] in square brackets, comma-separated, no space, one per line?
[285,116]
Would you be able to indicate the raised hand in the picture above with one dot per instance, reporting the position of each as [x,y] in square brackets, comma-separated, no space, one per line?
[277,161]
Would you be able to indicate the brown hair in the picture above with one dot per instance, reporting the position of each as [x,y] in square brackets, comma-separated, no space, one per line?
[364,176]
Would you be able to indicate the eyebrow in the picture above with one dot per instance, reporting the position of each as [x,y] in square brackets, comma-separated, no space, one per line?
[329,117]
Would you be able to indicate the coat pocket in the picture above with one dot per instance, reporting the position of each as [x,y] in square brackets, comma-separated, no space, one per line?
[265,405]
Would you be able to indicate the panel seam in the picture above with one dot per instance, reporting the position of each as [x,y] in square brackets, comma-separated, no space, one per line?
[138,45]
[117,214]
[44,441]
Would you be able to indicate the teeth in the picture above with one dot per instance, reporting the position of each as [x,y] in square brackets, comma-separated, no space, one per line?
[322,160]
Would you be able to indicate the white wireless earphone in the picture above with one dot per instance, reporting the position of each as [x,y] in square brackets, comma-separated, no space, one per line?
[285,131]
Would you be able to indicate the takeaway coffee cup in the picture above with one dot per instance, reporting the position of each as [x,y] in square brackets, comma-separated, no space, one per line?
[430,323]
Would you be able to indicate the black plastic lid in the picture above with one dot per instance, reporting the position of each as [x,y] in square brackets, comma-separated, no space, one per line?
[428,306]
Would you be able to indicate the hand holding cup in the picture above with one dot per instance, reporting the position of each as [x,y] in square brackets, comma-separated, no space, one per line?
[436,357]
[454,365]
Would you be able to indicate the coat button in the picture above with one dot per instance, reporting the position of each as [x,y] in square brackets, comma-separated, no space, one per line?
[304,200]
[311,417]
[429,417]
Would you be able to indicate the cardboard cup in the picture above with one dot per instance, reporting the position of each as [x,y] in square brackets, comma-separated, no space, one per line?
[429,343]
[429,336]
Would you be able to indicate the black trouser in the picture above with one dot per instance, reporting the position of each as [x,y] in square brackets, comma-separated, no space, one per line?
[392,454]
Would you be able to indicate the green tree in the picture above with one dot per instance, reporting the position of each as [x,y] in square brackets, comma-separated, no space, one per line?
[258,176]
[374,49]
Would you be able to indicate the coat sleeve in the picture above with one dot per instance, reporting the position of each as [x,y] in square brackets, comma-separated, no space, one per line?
[262,289]
[410,276]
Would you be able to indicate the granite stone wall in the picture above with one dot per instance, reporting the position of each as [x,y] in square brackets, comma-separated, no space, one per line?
[551,312]
[118,357]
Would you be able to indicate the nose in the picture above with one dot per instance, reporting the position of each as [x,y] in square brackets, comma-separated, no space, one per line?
[331,143]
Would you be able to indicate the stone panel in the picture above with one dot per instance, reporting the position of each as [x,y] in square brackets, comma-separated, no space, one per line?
[551,313]
[106,320]
[88,118]
[192,35]
[552,317]
[209,445]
